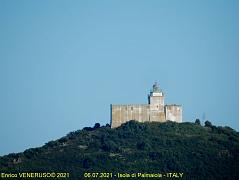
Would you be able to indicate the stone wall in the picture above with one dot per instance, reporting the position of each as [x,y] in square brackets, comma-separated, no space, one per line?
[142,113]
[173,113]
[123,113]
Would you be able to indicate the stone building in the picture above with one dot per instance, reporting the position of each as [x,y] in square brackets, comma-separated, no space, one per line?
[155,110]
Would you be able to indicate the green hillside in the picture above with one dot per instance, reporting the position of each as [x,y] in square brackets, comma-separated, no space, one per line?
[199,152]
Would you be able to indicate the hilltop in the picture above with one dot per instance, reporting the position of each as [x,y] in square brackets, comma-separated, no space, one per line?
[199,152]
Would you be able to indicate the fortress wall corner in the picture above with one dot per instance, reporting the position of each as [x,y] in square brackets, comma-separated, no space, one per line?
[173,113]
[122,113]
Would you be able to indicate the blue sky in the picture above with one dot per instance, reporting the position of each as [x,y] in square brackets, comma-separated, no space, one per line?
[62,63]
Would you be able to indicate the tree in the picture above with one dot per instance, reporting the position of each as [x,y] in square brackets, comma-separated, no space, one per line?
[87,163]
[198,122]
[140,145]
[97,125]
[88,129]
[208,124]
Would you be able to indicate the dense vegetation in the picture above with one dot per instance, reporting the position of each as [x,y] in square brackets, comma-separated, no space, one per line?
[200,152]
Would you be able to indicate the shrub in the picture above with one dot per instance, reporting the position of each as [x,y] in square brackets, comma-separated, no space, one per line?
[97,125]
[197,122]
[208,124]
